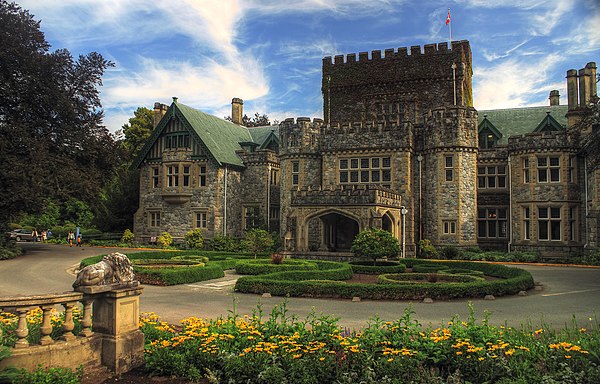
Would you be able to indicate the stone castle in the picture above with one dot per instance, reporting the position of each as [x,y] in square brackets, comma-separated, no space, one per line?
[400,148]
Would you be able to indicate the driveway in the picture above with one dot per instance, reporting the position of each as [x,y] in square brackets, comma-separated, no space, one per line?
[567,292]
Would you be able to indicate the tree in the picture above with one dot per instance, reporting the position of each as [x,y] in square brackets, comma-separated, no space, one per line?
[137,131]
[587,133]
[53,145]
[257,240]
[375,244]
[256,121]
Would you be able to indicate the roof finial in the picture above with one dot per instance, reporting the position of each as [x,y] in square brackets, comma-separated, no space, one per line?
[175,99]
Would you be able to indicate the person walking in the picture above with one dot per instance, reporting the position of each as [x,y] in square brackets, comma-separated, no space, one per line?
[79,240]
[71,238]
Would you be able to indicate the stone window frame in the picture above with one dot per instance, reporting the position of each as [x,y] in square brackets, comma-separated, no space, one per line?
[202,175]
[251,218]
[154,218]
[572,169]
[274,176]
[526,222]
[492,219]
[449,168]
[155,176]
[526,172]
[449,227]
[573,223]
[550,221]
[200,218]
[491,178]
[295,172]
[172,175]
[274,212]
[364,169]
[546,171]
[186,175]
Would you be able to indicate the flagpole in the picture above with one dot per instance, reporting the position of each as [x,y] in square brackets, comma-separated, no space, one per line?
[449,22]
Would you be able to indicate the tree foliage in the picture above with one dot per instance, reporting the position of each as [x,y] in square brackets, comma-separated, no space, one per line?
[375,244]
[53,145]
[257,121]
[587,132]
[257,240]
[137,131]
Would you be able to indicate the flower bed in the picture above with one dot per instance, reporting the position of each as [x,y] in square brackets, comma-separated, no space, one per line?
[283,349]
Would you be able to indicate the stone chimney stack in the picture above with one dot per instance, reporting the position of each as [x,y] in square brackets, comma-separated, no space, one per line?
[159,111]
[584,87]
[554,98]
[237,110]
[591,67]
[572,91]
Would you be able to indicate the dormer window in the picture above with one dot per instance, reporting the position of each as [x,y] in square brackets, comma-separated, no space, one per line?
[489,135]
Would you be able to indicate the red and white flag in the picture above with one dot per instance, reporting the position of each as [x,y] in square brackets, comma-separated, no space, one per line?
[448,17]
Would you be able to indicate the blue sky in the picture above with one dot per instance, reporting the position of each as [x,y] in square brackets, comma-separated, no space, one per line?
[268,52]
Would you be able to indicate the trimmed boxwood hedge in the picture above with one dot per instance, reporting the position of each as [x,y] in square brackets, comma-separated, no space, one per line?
[183,275]
[264,266]
[419,278]
[368,268]
[462,271]
[511,281]
[428,268]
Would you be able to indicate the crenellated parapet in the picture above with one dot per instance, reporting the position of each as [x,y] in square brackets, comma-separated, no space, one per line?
[407,80]
[259,157]
[450,127]
[299,136]
[341,136]
[541,142]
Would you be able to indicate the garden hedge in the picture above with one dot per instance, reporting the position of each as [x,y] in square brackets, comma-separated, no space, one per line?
[368,268]
[264,266]
[310,283]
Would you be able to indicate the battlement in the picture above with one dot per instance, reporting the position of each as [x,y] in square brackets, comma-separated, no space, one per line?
[344,196]
[557,140]
[403,52]
[290,122]
[346,127]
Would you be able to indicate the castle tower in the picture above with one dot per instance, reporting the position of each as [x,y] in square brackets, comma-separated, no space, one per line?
[300,160]
[399,82]
[450,164]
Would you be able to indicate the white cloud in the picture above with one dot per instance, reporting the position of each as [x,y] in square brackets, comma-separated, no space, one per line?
[511,83]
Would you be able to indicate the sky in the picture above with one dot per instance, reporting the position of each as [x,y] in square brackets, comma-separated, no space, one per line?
[269,52]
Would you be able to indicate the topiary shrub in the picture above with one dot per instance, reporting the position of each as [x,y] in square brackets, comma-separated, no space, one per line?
[451,253]
[375,244]
[257,240]
[128,237]
[165,240]
[194,239]
[428,251]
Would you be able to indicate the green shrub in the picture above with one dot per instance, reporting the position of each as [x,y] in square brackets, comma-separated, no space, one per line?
[380,267]
[257,241]
[262,266]
[194,239]
[428,251]
[426,268]
[50,376]
[451,253]
[182,275]
[223,244]
[375,244]
[128,237]
[411,278]
[165,240]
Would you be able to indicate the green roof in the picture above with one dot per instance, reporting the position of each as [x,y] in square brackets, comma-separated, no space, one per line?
[221,138]
[519,121]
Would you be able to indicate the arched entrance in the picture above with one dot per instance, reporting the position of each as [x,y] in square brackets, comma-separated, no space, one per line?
[332,232]
[387,223]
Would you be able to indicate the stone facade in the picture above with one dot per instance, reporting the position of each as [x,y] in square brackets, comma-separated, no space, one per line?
[400,148]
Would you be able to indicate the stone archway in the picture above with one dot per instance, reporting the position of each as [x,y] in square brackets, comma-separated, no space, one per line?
[387,223]
[332,232]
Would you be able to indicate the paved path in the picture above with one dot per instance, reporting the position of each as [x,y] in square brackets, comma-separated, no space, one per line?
[567,292]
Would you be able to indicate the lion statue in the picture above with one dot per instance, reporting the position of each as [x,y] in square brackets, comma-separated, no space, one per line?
[114,268]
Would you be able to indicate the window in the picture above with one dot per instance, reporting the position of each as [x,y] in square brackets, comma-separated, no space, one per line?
[173,176]
[526,224]
[177,140]
[274,213]
[366,170]
[549,223]
[491,223]
[572,178]
[449,227]
[449,160]
[154,219]
[251,217]
[487,140]
[274,177]
[202,176]
[201,220]
[491,177]
[295,172]
[186,175]
[526,170]
[573,234]
[155,179]
[548,169]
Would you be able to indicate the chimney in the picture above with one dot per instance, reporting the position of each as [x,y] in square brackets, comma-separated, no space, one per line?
[237,110]
[554,98]
[572,93]
[584,86]
[591,66]
[159,111]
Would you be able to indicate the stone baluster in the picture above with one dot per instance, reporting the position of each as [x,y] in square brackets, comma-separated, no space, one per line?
[46,327]
[22,331]
[86,321]
[68,324]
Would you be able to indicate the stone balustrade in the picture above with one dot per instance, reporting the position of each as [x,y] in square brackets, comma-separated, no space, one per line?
[350,195]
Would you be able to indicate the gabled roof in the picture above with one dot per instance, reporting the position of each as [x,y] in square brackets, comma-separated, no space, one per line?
[486,124]
[519,121]
[221,138]
[548,124]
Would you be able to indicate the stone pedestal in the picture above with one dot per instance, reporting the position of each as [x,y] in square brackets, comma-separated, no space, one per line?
[116,312]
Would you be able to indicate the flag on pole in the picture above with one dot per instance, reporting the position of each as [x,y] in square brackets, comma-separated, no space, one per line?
[448,17]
